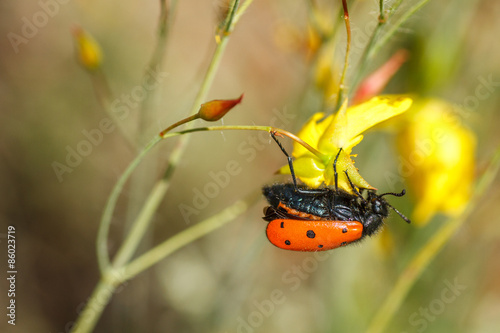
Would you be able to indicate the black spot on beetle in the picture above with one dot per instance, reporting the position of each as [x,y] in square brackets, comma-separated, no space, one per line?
[343,230]
[310,234]
[287,242]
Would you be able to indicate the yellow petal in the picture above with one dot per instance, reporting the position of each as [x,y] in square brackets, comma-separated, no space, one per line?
[344,163]
[334,136]
[351,122]
[363,116]
[310,133]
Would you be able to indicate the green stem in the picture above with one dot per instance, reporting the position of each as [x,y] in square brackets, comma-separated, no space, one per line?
[179,123]
[340,98]
[381,16]
[227,24]
[139,228]
[155,63]
[178,151]
[112,278]
[363,60]
[375,44]
[102,235]
[394,28]
[394,8]
[189,235]
[240,11]
[146,214]
[428,252]
[269,129]
[97,302]
[161,187]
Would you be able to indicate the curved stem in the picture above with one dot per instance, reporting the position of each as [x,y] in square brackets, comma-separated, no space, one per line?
[269,129]
[161,187]
[429,251]
[102,234]
[179,123]
[112,278]
[187,236]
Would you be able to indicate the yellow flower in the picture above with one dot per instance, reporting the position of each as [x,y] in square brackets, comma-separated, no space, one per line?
[88,50]
[437,159]
[341,130]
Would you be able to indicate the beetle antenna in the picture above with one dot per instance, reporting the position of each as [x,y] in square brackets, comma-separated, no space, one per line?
[403,192]
[407,220]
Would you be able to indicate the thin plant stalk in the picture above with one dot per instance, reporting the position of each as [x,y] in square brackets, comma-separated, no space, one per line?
[270,129]
[160,188]
[113,277]
[102,234]
[222,41]
[187,236]
[375,44]
[394,28]
[382,19]
[167,12]
[429,251]
[342,88]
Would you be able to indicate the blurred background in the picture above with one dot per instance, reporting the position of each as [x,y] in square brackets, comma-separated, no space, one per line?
[233,279]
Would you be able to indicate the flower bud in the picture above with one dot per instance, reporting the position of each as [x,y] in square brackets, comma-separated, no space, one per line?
[88,50]
[216,109]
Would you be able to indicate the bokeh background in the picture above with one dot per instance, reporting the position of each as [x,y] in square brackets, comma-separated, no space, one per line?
[232,280]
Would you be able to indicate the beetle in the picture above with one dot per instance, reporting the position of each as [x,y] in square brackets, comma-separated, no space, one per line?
[306,219]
